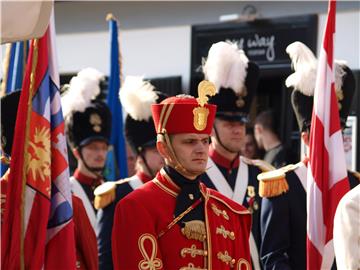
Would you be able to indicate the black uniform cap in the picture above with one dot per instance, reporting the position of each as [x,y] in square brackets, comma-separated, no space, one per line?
[94,124]
[232,107]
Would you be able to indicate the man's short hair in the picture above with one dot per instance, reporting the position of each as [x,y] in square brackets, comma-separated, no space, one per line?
[268,121]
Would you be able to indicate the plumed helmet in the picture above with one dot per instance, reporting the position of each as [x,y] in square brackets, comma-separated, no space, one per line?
[137,96]
[235,78]
[303,82]
[87,119]
[94,124]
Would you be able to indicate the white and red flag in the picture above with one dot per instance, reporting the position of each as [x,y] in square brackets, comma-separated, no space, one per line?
[327,174]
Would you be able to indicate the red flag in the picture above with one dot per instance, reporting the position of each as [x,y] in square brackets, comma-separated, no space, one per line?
[38,230]
[327,174]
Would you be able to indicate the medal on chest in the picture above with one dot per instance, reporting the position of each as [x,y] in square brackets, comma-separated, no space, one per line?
[251,199]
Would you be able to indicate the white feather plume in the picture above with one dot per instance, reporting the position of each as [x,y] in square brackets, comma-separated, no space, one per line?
[82,89]
[304,63]
[226,66]
[136,97]
[339,74]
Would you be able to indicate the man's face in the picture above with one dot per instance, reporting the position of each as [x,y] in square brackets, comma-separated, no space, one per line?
[231,133]
[153,159]
[249,147]
[192,151]
[94,154]
[258,135]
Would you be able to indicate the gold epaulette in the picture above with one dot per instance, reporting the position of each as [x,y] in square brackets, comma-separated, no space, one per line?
[105,193]
[273,183]
[261,164]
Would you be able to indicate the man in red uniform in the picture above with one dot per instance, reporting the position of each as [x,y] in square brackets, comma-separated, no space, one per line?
[174,221]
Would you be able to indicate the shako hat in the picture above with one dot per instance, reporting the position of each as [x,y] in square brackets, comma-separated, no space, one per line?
[137,96]
[9,106]
[235,78]
[303,82]
[186,114]
[87,119]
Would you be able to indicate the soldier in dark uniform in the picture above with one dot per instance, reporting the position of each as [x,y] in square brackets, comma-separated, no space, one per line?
[136,98]
[175,221]
[88,129]
[283,213]
[236,79]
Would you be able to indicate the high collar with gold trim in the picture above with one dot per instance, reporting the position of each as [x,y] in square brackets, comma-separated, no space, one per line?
[165,182]
[143,177]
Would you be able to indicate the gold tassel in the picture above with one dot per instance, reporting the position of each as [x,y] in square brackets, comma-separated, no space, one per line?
[194,229]
[272,184]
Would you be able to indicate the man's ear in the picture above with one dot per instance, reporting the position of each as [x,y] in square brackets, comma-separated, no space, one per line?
[162,149]
[76,153]
[213,132]
[305,137]
[258,128]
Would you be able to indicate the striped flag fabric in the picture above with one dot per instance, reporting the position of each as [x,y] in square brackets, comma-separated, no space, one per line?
[327,174]
[116,163]
[38,229]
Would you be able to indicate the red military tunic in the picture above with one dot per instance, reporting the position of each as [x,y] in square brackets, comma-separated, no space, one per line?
[85,238]
[143,215]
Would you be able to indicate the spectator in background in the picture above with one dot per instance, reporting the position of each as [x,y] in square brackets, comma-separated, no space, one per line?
[249,148]
[267,138]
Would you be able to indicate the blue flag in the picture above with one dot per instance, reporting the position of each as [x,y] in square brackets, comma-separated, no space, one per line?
[14,69]
[116,163]
[15,60]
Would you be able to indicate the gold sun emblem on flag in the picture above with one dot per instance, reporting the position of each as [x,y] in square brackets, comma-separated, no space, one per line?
[38,155]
